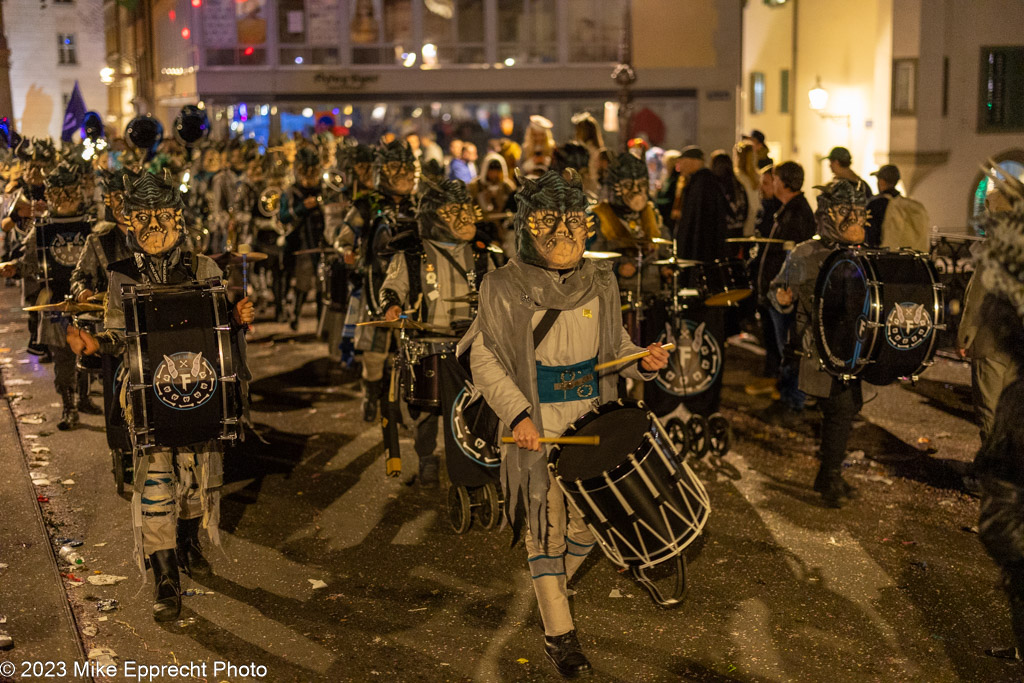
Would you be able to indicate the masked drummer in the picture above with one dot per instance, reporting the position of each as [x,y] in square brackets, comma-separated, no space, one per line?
[441,263]
[176,490]
[841,217]
[546,318]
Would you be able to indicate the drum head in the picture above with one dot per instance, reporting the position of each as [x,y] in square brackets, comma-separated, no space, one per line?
[621,431]
[843,313]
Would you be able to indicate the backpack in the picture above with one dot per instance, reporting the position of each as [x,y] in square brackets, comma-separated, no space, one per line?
[906,224]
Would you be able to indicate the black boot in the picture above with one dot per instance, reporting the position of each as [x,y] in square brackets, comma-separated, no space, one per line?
[829,483]
[167,606]
[846,489]
[85,404]
[371,399]
[565,653]
[190,553]
[69,417]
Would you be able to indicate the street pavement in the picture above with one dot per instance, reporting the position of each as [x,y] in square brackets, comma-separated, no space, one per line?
[894,587]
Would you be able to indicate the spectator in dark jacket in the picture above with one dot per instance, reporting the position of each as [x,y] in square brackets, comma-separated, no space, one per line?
[888,176]
[700,234]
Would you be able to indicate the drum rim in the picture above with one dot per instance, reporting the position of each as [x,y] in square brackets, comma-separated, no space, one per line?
[586,418]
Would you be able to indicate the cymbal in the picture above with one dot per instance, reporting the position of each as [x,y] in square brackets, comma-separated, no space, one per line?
[318,250]
[495,249]
[66,306]
[402,324]
[236,257]
[762,240]
[470,298]
[659,240]
[100,298]
[679,262]
[601,254]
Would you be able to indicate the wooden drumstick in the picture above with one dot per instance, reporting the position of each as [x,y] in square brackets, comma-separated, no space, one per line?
[564,440]
[630,358]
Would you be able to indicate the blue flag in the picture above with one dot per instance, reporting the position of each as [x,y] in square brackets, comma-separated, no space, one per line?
[73,115]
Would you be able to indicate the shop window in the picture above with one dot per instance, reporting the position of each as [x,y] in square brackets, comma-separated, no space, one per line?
[527,31]
[595,30]
[458,39]
[1001,97]
[381,31]
[756,92]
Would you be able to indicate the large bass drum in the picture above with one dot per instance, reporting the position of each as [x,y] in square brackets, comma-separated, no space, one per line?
[875,314]
[183,385]
[635,493]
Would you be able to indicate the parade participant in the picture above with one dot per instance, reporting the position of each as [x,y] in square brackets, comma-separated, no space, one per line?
[105,245]
[841,217]
[302,213]
[546,313]
[27,206]
[256,222]
[493,192]
[628,222]
[176,490]
[224,189]
[441,262]
[200,196]
[52,249]
[538,146]
[397,172]
[588,133]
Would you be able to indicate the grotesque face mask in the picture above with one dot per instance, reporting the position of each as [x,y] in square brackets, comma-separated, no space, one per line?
[35,173]
[850,221]
[552,225]
[632,193]
[156,230]
[398,177]
[308,176]
[559,238]
[154,213]
[115,202]
[364,173]
[841,214]
[460,220]
[64,201]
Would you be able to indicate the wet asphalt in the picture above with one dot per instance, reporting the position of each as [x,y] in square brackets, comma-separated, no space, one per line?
[894,587]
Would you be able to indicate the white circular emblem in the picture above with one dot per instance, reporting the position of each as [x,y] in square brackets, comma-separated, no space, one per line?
[184,380]
[694,365]
[472,446]
[67,247]
[907,326]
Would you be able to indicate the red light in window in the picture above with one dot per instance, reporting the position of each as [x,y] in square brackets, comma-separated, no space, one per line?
[172,15]
[185,33]
[248,51]
[197,3]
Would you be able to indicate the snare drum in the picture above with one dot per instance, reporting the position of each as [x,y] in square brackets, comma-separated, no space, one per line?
[875,314]
[421,376]
[725,282]
[634,492]
[182,381]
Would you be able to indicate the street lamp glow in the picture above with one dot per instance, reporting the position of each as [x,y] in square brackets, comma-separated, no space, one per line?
[409,59]
[429,51]
[307,113]
[818,97]
[107,75]
[510,61]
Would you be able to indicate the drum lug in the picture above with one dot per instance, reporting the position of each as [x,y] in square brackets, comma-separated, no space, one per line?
[222,328]
[941,327]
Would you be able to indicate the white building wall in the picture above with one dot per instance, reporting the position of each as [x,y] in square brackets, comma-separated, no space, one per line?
[38,82]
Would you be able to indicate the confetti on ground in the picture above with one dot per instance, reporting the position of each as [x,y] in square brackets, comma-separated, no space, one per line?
[616,593]
[106,579]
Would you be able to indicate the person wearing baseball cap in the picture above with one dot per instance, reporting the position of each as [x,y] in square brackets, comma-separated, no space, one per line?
[839,161]
[757,138]
[887,176]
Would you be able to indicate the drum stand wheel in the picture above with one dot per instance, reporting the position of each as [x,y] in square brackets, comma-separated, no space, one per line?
[487,506]
[459,509]
[719,435]
[697,426]
[679,435]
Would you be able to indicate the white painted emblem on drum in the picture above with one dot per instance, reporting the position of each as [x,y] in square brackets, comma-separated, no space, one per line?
[907,325]
[471,445]
[67,247]
[184,381]
[696,362]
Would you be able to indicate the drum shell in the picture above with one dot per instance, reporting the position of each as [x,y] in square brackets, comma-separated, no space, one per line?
[421,369]
[203,308]
[725,281]
[882,350]
[647,508]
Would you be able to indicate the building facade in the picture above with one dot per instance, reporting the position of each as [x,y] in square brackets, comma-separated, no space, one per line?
[53,43]
[933,86]
[263,67]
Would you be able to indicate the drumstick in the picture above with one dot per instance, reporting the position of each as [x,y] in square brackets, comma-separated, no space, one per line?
[631,357]
[564,440]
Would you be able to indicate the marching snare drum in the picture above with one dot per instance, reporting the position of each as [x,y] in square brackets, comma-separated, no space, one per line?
[421,376]
[634,492]
[182,378]
[875,314]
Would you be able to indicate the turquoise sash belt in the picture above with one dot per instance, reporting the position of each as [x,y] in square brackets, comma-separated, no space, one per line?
[561,383]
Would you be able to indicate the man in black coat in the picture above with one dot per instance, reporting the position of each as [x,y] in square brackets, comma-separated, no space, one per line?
[700,230]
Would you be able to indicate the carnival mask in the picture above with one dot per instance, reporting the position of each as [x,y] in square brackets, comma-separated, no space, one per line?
[627,176]
[364,173]
[397,169]
[559,238]
[157,230]
[460,220]
[552,225]
[632,193]
[64,201]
